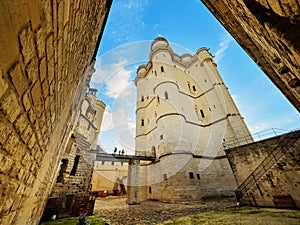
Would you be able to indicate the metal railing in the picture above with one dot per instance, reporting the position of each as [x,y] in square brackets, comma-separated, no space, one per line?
[262,135]
[281,148]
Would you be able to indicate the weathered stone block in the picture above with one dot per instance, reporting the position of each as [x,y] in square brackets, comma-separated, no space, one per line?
[36,95]
[10,106]
[43,69]
[21,123]
[26,101]
[51,70]
[27,134]
[3,84]
[49,47]
[6,165]
[27,45]
[4,131]
[40,42]
[45,88]
[32,70]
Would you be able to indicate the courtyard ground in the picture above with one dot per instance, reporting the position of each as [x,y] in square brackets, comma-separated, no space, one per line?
[115,211]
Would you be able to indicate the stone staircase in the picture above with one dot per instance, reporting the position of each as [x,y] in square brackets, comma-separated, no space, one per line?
[280,150]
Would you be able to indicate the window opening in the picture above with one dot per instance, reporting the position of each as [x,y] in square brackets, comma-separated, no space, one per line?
[150,190]
[142,122]
[75,165]
[194,88]
[142,98]
[166,95]
[191,175]
[198,176]
[162,69]
[202,113]
[161,137]
[165,176]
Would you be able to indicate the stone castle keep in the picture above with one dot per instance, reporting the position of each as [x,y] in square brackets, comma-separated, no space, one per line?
[47,50]
[184,114]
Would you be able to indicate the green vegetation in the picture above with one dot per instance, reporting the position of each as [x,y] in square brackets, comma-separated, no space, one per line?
[73,221]
[241,215]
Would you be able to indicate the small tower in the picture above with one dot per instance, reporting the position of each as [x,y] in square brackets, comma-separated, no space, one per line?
[184,113]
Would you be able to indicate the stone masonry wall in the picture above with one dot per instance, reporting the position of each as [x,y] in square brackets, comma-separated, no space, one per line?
[46,46]
[268,30]
[279,186]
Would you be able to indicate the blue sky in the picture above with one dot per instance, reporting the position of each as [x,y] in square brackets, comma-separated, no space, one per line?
[188,26]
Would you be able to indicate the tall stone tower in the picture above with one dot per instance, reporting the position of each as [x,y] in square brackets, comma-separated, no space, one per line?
[184,114]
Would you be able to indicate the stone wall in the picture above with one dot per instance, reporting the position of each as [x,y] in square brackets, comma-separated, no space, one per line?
[46,46]
[109,176]
[268,30]
[279,185]
[71,193]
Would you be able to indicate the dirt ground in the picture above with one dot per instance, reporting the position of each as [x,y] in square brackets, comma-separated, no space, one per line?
[115,210]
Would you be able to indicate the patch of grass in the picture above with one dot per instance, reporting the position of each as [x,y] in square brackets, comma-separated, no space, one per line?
[73,221]
[241,215]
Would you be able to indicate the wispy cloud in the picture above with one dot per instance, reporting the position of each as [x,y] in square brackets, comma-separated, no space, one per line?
[107,119]
[114,77]
[126,21]
[226,39]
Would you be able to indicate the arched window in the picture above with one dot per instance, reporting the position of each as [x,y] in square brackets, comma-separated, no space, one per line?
[142,122]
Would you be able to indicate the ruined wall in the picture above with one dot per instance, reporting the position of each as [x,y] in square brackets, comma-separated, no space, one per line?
[279,185]
[46,46]
[109,175]
[70,195]
[268,30]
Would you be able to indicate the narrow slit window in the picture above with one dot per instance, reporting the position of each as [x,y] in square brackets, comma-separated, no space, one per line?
[194,88]
[198,176]
[202,113]
[142,98]
[162,69]
[161,137]
[166,95]
[150,190]
[142,122]
[157,99]
[165,176]
[191,174]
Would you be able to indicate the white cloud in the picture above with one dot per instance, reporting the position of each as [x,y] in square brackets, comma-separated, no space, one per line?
[113,77]
[107,120]
[255,128]
[226,39]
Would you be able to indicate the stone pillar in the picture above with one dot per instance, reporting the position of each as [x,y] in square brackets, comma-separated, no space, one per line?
[133,189]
